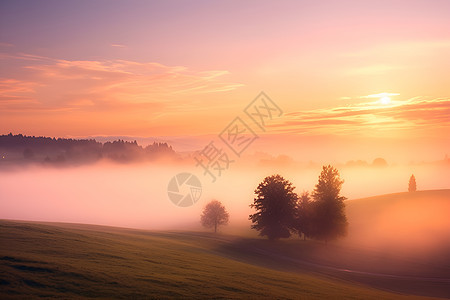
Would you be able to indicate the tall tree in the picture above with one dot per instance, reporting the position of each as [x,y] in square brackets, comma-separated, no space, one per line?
[214,214]
[412,184]
[328,218]
[304,215]
[275,205]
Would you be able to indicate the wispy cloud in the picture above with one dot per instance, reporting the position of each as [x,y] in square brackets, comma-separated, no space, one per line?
[6,45]
[86,84]
[118,45]
[370,118]
[380,95]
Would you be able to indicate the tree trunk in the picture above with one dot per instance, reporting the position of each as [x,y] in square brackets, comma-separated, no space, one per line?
[215,227]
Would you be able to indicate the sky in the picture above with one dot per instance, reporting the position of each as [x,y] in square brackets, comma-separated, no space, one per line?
[369,77]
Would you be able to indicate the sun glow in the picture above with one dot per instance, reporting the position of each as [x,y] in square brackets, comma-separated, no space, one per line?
[385,100]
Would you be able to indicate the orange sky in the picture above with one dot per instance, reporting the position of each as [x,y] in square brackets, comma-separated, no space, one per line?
[187,68]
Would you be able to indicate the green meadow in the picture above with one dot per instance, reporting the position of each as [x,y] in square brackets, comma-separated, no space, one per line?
[87,261]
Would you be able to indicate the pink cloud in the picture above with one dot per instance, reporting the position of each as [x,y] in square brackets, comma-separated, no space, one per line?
[57,83]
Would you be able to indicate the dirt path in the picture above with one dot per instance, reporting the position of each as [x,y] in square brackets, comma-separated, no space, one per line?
[254,252]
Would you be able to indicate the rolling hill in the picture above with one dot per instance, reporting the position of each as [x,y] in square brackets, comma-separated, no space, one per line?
[415,223]
[84,261]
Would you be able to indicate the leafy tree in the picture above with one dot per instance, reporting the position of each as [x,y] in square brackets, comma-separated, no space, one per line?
[214,214]
[412,184]
[275,205]
[304,215]
[328,217]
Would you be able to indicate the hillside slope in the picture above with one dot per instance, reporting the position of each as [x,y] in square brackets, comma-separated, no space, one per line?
[82,261]
[411,222]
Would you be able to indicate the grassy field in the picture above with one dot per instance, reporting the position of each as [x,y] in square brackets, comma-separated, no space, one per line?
[85,261]
[81,261]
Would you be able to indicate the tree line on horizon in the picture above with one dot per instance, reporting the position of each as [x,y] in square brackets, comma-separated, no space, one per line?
[26,149]
[281,212]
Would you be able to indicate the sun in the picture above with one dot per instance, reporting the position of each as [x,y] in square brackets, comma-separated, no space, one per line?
[385,100]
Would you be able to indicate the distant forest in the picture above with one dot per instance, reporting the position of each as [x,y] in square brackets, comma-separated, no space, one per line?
[19,148]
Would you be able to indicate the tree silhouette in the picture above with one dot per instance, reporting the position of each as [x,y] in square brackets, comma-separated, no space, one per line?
[28,153]
[412,184]
[214,214]
[379,162]
[328,218]
[304,215]
[275,205]
[80,151]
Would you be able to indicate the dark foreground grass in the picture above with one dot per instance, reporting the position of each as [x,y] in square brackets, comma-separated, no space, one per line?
[82,261]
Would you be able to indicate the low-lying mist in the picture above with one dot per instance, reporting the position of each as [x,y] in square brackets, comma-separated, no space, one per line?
[135,195]
[408,223]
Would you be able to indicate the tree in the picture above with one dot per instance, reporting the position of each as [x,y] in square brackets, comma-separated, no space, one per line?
[379,162]
[214,214]
[412,184]
[304,215]
[328,217]
[28,153]
[275,205]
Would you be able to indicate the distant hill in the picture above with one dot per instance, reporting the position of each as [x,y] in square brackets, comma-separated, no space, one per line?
[410,220]
[21,149]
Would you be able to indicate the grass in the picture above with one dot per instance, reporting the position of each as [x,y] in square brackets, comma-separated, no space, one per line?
[85,261]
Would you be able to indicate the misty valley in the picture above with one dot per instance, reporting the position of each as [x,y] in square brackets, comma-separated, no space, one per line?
[397,242]
[224,149]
